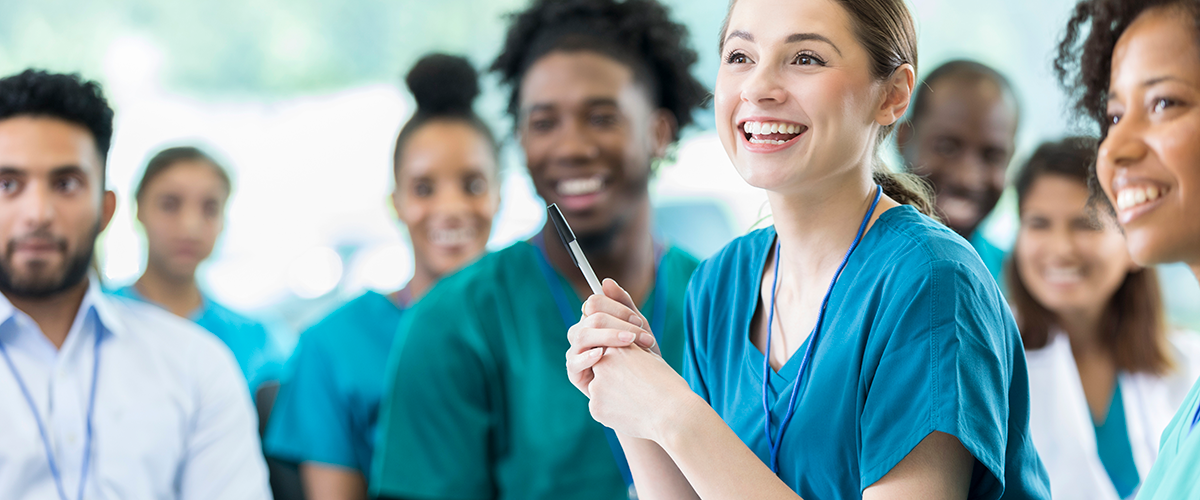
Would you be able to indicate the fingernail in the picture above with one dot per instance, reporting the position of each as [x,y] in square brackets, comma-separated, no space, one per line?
[594,353]
[637,321]
[626,336]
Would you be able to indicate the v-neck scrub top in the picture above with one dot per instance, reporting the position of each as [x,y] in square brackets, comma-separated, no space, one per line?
[328,405]
[480,405]
[916,339]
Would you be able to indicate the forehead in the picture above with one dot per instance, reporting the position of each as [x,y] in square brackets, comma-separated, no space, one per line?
[189,175]
[1159,43]
[576,77]
[444,146]
[971,101]
[40,144]
[772,21]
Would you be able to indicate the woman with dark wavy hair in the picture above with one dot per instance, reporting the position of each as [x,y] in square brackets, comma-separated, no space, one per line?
[1106,375]
[1133,66]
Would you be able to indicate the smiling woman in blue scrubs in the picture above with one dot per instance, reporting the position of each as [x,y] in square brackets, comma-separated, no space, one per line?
[447,192]
[181,205]
[858,348]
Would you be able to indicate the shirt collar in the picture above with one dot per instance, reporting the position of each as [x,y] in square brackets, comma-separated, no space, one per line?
[93,299]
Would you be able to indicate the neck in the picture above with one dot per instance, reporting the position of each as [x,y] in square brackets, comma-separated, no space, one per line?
[817,226]
[627,258]
[422,280]
[177,294]
[53,315]
[1083,329]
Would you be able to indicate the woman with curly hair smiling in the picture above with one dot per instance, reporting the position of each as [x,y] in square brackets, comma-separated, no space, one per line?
[1133,66]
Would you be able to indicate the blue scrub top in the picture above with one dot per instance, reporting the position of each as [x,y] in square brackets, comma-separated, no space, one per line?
[916,339]
[259,354]
[993,257]
[328,406]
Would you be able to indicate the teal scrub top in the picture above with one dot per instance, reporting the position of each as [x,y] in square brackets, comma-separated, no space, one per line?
[328,405]
[1176,472]
[1114,448]
[259,354]
[479,404]
[916,339]
[992,256]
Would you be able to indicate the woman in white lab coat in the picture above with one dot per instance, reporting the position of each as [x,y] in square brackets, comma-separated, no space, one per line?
[1105,373]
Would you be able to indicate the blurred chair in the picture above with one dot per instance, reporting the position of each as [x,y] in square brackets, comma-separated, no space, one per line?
[284,476]
[701,226]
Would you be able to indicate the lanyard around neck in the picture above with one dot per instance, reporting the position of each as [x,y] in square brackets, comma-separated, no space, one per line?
[87,442]
[776,442]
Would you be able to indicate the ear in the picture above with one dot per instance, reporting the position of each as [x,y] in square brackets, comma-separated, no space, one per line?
[108,208]
[663,128]
[395,199]
[898,90]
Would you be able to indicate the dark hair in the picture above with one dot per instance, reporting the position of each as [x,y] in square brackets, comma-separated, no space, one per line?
[167,158]
[444,87]
[636,33]
[885,29]
[1134,323]
[958,68]
[1084,60]
[66,97]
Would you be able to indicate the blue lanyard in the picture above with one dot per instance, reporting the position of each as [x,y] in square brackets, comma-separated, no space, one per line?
[777,442]
[87,443]
[1195,419]
[657,321]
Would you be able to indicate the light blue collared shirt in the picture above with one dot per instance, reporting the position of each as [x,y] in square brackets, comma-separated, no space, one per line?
[171,419]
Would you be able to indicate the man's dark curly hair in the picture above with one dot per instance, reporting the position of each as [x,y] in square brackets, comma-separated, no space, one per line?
[1084,60]
[67,97]
[637,33]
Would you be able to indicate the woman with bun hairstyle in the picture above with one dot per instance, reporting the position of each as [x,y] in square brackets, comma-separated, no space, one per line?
[1133,67]
[478,405]
[1106,376]
[856,349]
[181,201]
[447,193]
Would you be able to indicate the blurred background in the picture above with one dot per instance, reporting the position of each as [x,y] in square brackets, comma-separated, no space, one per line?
[302,99]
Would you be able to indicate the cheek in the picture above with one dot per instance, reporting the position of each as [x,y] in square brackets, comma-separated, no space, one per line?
[1180,152]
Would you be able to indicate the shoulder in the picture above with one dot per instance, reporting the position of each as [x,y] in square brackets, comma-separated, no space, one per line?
[494,273]
[678,258]
[741,254]
[335,323]
[164,335]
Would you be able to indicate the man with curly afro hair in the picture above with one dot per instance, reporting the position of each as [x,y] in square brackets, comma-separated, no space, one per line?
[478,405]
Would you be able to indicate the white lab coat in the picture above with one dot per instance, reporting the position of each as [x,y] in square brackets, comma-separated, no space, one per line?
[1061,423]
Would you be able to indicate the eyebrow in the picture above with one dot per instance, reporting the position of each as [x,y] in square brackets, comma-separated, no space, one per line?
[793,38]
[589,103]
[1148,83]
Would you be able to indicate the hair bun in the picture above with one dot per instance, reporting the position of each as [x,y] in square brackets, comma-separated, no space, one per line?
[443,83]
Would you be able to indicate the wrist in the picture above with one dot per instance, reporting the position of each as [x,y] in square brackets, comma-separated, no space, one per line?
[681,419]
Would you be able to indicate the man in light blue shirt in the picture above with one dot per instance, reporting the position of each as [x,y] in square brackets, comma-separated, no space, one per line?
[99,397]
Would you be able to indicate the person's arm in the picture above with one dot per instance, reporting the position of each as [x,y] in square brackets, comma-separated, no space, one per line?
[224,456]
[325,482]
[678,447]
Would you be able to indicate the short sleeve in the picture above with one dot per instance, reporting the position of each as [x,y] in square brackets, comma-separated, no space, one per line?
[939,359]
[436,421]
[311,421]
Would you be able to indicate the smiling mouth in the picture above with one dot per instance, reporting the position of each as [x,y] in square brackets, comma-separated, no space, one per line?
[1132,197]
[771,133]
[580,186]
[452,237]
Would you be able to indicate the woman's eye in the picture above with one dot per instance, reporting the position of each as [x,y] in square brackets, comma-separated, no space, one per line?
[1162,104]
[736,57]
[1113,119]
[805,59]
[423,189]
[476,187]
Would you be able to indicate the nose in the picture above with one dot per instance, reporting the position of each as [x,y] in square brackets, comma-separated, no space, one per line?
[36,208]
[1123,146]
[191,220]
[575,145]
[763,87]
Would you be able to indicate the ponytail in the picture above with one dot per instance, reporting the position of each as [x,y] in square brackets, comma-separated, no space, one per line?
[905,188]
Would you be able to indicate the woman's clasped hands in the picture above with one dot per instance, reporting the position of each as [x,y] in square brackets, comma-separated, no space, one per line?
[615,361]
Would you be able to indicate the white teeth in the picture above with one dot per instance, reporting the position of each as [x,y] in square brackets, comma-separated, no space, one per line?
[1059,275]
[771,128]
[577,187]
[452,237]
[1133,196]
[766,141]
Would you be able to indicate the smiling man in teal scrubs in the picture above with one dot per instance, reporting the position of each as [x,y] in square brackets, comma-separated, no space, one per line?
[479,406]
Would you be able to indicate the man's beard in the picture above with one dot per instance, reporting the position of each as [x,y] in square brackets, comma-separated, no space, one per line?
[74,271]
